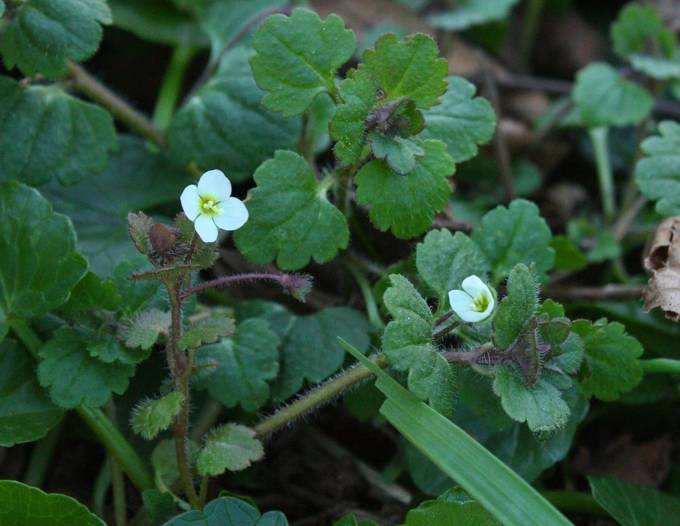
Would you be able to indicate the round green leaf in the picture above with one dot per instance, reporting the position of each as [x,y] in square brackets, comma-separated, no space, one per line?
[228,511]
[230,447]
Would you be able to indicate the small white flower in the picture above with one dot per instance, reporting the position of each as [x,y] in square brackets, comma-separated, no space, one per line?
[475,302]
[210,206]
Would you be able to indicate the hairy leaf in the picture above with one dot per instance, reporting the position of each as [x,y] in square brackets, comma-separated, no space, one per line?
[304,48]
[231,447]
[291,219]
[518,308]
[144,329]
[400,153]
[44,35]
[151,417]
[206,331]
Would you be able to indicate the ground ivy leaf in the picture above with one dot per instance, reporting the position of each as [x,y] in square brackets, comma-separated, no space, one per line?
[22,505]
[468,513]
[634,28]
[108,349]
[99,206]
[69,135]
[409,67]
[74,377]
[206,331]
[230,447]
[444,260]
[310,350]
[38,262]
[658,172]
[221,125]
[301,47]
[26,412]
[228,511]
[541,406]
[518,308]
[43,35]
[151,417]
[611,357]
[633,505]
[143,330]
[462,120]
[399,152]
[604,98]
[471,13]
[242,365]
[291,219]
[406,205]
[92,293]
[517,234]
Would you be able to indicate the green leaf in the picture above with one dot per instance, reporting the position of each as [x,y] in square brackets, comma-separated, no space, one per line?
[291,219]
[2,8]
[407,344]
[203,129]
[22,505]
[70,136]
[568,257]
[242,365]
[471,13]
[228,511]
[38,262]
[657,67]
[26,412]
[143,330]
[230,447]
[4,326]
[604,98]
[164,462]
[517,234]
[310,350]
[92,293]
[611,357]
[206,331]
[301,47]
[74,377]
[445,260]
[518,308]
[406,204]
[431,512]
[462,120]
[496,487]
[658,172]
[160,507]
[638,26]
[541,405]
[400,153]
[108,349]
[151,417]
[99,206]
[43,35]
[350,520]
[409,67]
[633,505]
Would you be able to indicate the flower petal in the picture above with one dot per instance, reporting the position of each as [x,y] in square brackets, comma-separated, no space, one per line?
[474,286]
[460,301]
[191,203]
[206,228]
[214,184]
[234,214]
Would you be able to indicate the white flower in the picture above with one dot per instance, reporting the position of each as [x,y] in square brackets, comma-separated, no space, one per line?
[475,302]
[210,206]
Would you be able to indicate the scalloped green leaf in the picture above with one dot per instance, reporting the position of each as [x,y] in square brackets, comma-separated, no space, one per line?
[26,412]
[38,263]
[73,377]
[407,204]
[143,330]
[206,331]
[221,125]
[442,512]
[604,98]
[228,511]
[304,48]
[44,35]
[462,120]
[291,220]
[658,172]
[151,417]
[468,13]
[22,505]
[516,234]
[71,137]
[636,27]
[518,308]
[611,357]
[242,365]
[231,447]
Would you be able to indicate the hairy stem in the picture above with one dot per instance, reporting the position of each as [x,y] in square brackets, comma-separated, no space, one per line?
[168,96]
[115,443]
[225,281]
[598,136]
[121,110]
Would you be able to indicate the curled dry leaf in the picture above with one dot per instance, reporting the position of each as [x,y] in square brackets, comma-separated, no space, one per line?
[663,261]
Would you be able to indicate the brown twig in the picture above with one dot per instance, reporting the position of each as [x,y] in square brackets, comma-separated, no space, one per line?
[608,292]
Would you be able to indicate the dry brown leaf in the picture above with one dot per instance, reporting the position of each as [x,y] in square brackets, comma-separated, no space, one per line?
[663,260]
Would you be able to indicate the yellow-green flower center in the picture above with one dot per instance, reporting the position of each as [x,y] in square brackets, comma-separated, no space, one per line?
[210,206]
[480,303]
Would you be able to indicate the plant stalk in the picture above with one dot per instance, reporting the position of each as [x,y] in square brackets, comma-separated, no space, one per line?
[171,87]
[41,457]
[117,479]
[660,365]
[598,136]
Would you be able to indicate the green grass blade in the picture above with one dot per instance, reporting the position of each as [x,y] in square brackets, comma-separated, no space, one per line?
[493,484]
